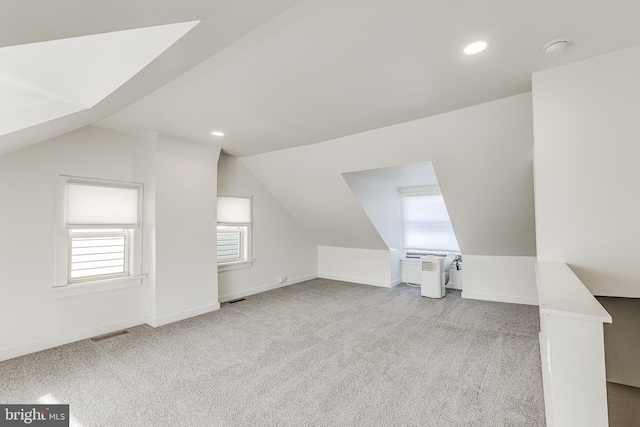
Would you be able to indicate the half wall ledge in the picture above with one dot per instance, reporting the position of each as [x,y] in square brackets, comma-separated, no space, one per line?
[571,348]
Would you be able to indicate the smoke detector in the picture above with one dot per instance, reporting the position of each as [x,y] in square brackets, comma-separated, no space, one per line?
[556,46]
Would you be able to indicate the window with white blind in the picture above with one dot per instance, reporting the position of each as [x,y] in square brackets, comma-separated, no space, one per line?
[102,222]
[99,253]
[234,231]
[425,221]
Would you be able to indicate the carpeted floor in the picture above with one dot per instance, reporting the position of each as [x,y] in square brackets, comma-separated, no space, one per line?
[319,353]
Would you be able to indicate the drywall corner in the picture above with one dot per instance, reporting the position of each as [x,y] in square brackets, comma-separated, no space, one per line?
[500,278]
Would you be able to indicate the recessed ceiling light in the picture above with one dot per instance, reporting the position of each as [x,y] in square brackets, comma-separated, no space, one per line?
[217,133]
[476,47]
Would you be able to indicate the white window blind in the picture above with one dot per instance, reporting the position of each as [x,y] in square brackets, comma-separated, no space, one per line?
[101,205]
[230,243]
[98,254]
[234,210]
[426,223]
[234,230]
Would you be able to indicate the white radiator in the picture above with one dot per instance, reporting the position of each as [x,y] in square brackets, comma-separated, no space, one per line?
[410,270]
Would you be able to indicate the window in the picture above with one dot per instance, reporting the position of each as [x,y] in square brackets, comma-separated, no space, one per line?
[425,222]
[98,254]
[234,231]
[99,236]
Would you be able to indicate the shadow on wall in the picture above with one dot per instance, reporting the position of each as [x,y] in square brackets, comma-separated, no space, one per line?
[406,207]
[621,343]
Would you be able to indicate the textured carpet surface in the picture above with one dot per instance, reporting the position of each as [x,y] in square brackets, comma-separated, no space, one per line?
[319,353]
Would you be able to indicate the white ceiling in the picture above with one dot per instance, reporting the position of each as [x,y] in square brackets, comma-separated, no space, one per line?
[222,23]
[281,73]
[419,174]
[42,81]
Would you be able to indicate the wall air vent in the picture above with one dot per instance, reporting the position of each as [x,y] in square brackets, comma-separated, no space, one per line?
[110,335]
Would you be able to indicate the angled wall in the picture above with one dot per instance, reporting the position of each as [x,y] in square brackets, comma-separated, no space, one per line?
[378,192]
[586,170]
[482,156]
[280,246]
[380,201]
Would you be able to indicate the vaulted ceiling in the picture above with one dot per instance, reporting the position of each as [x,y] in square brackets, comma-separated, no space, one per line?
[221,24]
[282,73]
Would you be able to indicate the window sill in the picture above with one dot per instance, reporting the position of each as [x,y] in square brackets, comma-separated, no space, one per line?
[235,265]
[97,286]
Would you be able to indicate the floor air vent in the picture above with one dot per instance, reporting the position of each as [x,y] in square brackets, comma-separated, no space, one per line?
[236,300]
[111,335]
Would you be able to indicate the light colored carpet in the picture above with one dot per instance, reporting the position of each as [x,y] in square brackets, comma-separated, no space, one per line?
[319,353]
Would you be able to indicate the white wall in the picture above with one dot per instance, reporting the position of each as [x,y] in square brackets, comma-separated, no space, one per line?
[179,253]
[32,317]
[396,268]
[586,170]
[280,246]
[571,349]
[378,192]
[381,202]
[482,156]
[366,266]
[500,278]
[186,277]
[455,277]
[622,347]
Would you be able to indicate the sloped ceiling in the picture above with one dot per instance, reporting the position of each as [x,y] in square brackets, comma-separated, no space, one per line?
[324,69]
[334,85]
[42,81]
[482,156]
[282,73]
[32,21]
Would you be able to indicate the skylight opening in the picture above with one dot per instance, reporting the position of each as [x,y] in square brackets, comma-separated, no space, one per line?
[46,80]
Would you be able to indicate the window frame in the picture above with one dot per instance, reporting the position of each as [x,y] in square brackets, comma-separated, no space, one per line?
[63,283]
[246,240]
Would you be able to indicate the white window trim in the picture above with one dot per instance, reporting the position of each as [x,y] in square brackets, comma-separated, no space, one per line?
[429,190]
[246,246]
[62,285]
[98,286]
[236,265]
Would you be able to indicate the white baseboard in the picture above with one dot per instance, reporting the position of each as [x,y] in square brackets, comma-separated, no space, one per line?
[84,334]
[396,283]
[359,280]
[264,288]
[165,320]
[500,298]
